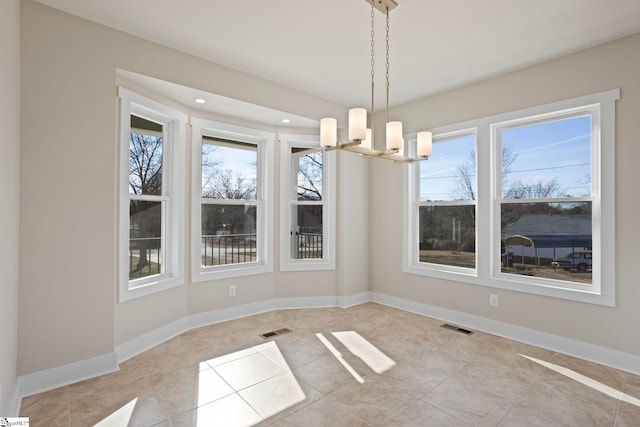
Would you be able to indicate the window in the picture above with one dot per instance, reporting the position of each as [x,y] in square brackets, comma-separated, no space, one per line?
[545,192]
[445,204]
[307,205]
[151,196]
[546,195]
[231,212]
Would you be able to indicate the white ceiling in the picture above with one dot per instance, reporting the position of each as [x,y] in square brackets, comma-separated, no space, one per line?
[322,47]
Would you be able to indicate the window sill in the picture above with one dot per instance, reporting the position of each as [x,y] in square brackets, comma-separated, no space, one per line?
[307,265]
[202,274]
[144,288]
[503,281]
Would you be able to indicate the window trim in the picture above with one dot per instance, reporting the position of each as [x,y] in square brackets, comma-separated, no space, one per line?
[328,261]
[264,225]
[412,178]
[603,194]
[172,196]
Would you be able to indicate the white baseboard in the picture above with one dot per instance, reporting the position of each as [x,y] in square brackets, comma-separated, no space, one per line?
[142,343]
[593,353]
[305,302]
[351,300]
[15,403]
[236,312]
[59,376]
[153,338]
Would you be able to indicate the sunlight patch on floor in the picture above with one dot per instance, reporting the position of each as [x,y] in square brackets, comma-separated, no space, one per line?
[338,356]
[367,352]
[589,382]
[245,387]
[121,417]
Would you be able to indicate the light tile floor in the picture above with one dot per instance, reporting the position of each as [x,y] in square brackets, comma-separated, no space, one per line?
[227,375]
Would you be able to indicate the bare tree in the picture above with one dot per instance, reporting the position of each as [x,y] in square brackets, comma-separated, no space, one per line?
[229,185]
[466,173]
[454,226]
[145,178]
[210,164]
[145,164]
[310,170]
[465,178]
[538,189]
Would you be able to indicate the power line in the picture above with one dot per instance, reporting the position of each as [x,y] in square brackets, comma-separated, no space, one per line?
[549,168]
[510,172]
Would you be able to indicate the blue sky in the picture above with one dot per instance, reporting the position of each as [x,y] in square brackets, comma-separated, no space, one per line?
[560,149]
[557,150]
[438,175]
[241,161]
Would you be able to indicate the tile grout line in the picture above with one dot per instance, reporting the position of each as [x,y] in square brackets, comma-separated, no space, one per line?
[68,404]
[533,380]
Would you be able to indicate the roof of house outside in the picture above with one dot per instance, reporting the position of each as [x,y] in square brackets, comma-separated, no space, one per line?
[553,230]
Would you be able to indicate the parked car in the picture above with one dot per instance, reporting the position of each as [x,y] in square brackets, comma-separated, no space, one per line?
[580,260]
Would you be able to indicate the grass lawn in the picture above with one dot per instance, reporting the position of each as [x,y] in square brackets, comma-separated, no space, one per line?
[148,270]
[467,259]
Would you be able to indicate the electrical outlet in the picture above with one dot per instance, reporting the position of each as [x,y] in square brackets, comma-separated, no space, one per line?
[494,300]
[232,290]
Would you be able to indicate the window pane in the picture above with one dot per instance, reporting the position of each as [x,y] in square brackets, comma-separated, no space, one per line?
[229,169]
[551,240]
[145,157]
[228,234]
[448,235]
[450,174]
[551,159]
[307,173]
[145,241]
[306,234]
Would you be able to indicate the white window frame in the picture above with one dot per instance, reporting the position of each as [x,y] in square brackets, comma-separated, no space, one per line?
[412,203]
[264,142]
[173,158]
[602,289]
[328,260]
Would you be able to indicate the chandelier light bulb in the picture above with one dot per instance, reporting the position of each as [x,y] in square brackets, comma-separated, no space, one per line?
[394,135]
[425,142]
[357,124]
[328,132]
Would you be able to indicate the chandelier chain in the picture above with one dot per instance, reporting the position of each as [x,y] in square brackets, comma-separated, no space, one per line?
[372,42]
[373,62]
[387,61]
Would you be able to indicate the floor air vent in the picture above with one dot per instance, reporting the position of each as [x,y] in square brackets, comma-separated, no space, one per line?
[274,333]
[457,329]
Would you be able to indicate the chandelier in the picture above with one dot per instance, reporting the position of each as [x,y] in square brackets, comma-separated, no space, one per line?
[361,136]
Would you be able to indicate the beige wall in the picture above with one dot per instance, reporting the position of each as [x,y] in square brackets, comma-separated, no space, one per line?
[10,196]
[68,243]
[613,65]
[353,224]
